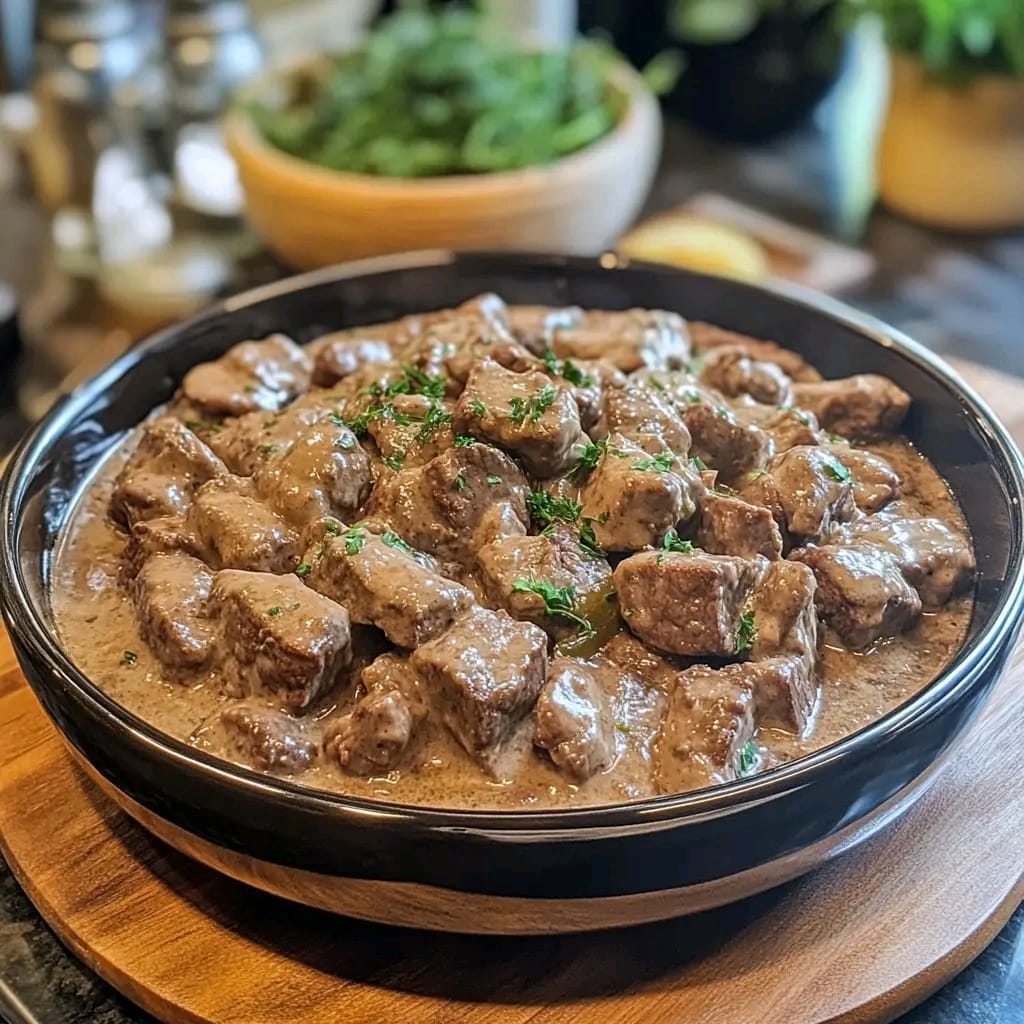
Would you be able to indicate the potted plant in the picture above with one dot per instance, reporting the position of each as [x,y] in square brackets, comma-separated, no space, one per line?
[952,150]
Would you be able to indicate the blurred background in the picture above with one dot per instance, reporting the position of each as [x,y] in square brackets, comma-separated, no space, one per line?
[157,154]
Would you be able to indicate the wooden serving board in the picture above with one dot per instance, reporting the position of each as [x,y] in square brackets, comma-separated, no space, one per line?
[860,940]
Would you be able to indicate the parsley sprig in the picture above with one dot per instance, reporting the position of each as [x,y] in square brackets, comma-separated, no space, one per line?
[566,369]
[523,409]
[557,601]
[588,460]
[837,471]
[663,462]
[746,632]
[548,508]
[673,542]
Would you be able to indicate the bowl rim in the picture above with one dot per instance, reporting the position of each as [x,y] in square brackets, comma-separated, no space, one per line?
[567,823]
[247,143]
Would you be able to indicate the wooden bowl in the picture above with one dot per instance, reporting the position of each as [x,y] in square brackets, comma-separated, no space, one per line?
[312,216]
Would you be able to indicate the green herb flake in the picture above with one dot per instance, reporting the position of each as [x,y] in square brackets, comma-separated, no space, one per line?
[346,441]
[394,541]
[698,463]
[557,601]
[303,569]
[660,463]
[394,462]
[436,418]
[464,441]
[588,460]
[267,449]
[523,409]
[655,384]
[588,539]
[492,480]
[749,759]
[692,398]
[355,540]
[129,658]
[459,484]
[566,369]
[746,632]
[672,542]
[838,471]
[332,528]
[478,408]
[548,508]
[622,727]
[275,611]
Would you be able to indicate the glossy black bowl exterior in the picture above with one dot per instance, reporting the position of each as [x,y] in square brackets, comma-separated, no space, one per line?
[633,848]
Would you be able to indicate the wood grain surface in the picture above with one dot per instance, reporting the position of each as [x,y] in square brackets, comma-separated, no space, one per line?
[860,940]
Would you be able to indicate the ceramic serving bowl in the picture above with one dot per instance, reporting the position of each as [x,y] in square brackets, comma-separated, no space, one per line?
[313,216]
[543,871]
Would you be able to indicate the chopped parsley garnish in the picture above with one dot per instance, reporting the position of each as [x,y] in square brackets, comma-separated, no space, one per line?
[197,425]
[588,460]
[749,759]
[412,382]
[655,384]
[693,398]
[746,632]
[523,409]
[478,408]
[303,569]
[798,414]
[355,540]
[332,528]
[336,418]
[129,658]
[622,727]
[755,474]
[698,463]
[557,601]
[459,483]
[359,424]
[395,461]
[672,542]
[566,369]
[436,417]
[547,508]
[837,471]
[345,441]
[275,611]
[394,541]
[660,463]
[588,539]
[267,449]
[492,480]
[464,441]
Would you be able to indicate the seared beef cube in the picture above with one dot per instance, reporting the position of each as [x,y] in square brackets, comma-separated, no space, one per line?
[679,387]
[417,430]
[814,490]
[574,721]
[509,354]
[789,427]
[686,603]
[373,737]
[554,557]
[523,412]
[325,472]
[646,418]
[484,675]
[935,559]
[456,502]
[162,473]
[731,526]
[862,593]
[710,717]
[860,407]
[341,353]
[246,442]
[392,671]
[279,636]
[708,337]
[251,376]
[718,439]
[733,372]
[170,594]
[875,482]
[634,498]
[155,537]
[629,339]
[267,739]
[535,326]
[380,583]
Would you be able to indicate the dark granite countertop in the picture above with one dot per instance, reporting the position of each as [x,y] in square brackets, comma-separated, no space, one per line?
[957,294]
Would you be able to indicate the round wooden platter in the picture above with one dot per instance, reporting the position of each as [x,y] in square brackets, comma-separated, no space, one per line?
[861,940]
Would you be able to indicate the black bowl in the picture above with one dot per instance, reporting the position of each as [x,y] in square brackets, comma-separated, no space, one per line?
[510,871]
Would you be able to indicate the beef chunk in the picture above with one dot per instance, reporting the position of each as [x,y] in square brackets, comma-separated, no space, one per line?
[484,674]
[155,537]
[535,326]
[731,526]
[255,375]
[555,558]
[635,498]
[170,594]
[325,472]
[710,717]
[342,353]
[235,531]
[523,412]
[875,482]
[456,502]
[392,671]
[279,636]
[860,407]
[935,559]
[374,736]
[417,430]
[720,440]
[686,603]
[574,721]
[708,337]
[588,381]
[246,442]
[814,490]
[733,372]
[789,427]
[267,739]
[629,339]
[642,415]
[862,593]
[163,473]
[382,584]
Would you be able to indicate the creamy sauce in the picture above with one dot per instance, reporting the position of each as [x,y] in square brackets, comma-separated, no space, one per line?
[97,624]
